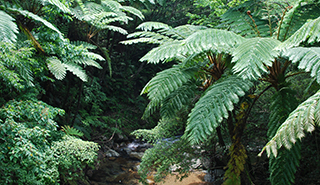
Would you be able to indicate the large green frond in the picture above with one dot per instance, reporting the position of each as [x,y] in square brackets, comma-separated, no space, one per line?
[149,26]
[214,106]
[308,59]
[134,11]
[56,67]
[37,18]
[165,51]
[164,83]
[237,20]
[177,100]
[304,118]
[8,29]
[76,70]
[252,57]
[309,32]
[214,40]
[59,5]
[283,167]
[297,15]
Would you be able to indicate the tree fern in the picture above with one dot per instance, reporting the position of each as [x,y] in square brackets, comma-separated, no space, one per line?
[8,29]
[164,83]
[214,106]
[59,5]
[252,57]
[307,58]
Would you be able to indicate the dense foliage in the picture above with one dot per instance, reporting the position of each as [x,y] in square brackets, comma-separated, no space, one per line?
[253,48]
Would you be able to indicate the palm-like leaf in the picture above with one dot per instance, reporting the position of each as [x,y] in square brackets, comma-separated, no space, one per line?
[308,58]
[304,118]
[214,40]
[177,100]
[56,67]
[164,83]
[8,29]
[253,56]
[214,106]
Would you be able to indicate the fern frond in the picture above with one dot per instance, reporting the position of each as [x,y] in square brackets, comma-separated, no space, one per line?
[168,50]
[309,32]
[214,40]
[56,68]
[298,14]
[308,59]
[71,131]
[253,55]
[93,56]
[37,18]
[177,100]
[115,28]
[284,166]
[134,11]
[76,70]
[84,44]
[237,20]
[164,83]
[141,40]
[149,26]
[8,29]
[214,106]
[59,5]
[304,118]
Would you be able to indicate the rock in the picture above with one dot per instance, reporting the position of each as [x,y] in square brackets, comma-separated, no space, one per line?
[136,155]
[196,163]
[112,153]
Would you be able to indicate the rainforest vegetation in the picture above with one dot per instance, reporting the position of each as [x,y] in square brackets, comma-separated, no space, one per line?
[236,81]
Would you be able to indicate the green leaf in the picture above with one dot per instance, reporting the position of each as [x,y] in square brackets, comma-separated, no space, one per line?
[214,106]
[8,29]
[308,59]
[37,18]
[56,68]
[253,55]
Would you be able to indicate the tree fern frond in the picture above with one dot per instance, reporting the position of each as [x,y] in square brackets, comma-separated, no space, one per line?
[237,20]
[284,166]
[168,50]
[76,70]
[164,83]
[93,56]
[299,14]
[177,100]
[84,44]
[57,68]
[8,29]
[115,28]
[309,32]
[253,55]
[153,35]
[214,40]
[214,106]
[304,118]
[113,5]
[141,40]
[308,58]
[59,5]
[134,11]
[149,26]
[37,18]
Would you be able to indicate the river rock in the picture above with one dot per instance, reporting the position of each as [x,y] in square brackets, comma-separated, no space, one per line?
[112,153]
[136,155]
